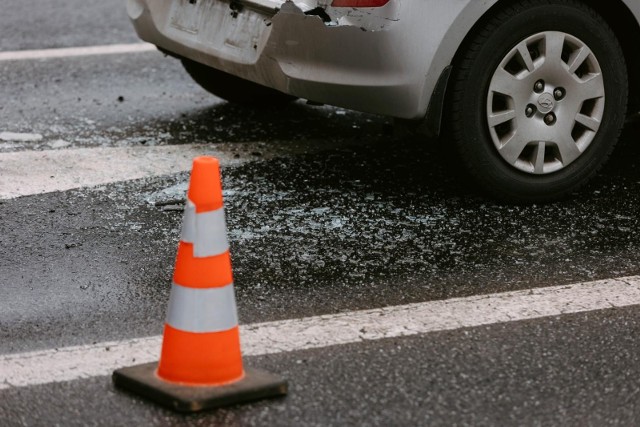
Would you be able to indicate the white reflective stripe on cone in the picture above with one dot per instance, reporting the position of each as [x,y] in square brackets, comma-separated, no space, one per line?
[188,234]
[202,310]
[207,231]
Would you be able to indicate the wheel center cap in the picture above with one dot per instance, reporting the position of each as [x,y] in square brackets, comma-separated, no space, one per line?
[546,102]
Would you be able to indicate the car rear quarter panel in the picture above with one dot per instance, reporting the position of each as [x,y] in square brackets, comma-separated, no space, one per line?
[391,70]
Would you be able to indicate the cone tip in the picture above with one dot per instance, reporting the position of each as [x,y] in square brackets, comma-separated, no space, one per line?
[205,160]
[205,189]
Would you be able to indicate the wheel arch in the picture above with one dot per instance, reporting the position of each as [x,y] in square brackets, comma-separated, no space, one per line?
[624,23]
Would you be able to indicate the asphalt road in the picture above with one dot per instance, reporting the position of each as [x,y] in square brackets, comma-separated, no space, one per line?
[355,218]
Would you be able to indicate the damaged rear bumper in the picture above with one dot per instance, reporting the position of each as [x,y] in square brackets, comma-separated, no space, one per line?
[353,58]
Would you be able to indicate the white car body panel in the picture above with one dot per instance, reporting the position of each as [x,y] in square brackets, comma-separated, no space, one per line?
[384,60]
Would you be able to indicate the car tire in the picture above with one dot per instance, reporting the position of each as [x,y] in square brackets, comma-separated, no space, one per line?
[235,89]
[537,100]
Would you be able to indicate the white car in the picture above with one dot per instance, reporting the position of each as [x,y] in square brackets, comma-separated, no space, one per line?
[533,94]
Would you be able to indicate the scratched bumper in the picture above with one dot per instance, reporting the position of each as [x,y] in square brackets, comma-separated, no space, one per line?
[352,61]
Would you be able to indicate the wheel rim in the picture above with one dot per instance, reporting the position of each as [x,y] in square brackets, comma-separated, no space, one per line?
[545,102]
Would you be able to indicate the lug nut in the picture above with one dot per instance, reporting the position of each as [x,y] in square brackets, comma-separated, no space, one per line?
[550,119]
[530,110]
[558,94]
[539,86]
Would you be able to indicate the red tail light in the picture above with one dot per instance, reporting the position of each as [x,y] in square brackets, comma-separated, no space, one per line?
[359,3]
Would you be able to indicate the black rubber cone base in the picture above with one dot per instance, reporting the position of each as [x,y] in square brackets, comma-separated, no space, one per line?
[142,380]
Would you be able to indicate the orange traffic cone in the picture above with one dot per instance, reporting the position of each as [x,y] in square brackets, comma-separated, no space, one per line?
[201,362]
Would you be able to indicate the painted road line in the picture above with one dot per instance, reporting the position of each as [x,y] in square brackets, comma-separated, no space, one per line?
[60,170]
[66,52]
[67,169]
[71,363]
[20,137]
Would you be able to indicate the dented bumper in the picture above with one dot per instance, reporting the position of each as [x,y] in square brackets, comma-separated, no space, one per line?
[354,58]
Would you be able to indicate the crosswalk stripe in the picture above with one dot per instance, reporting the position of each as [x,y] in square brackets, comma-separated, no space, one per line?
[25,173]
[35,172]
[72,363]
[66,52]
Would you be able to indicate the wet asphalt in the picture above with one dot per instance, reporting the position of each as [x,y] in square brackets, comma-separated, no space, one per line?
[346,229]
[43,24]
[577,370]
[383,219]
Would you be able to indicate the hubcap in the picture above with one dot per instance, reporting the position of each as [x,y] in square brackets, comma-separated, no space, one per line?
[545,102]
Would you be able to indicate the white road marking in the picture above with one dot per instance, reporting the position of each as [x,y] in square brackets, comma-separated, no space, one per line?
[34,172]
[65,52]
[20,137]
[25,173]
[71,363]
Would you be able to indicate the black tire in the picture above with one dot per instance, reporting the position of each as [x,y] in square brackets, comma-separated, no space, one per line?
[235,89]
[477,143]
